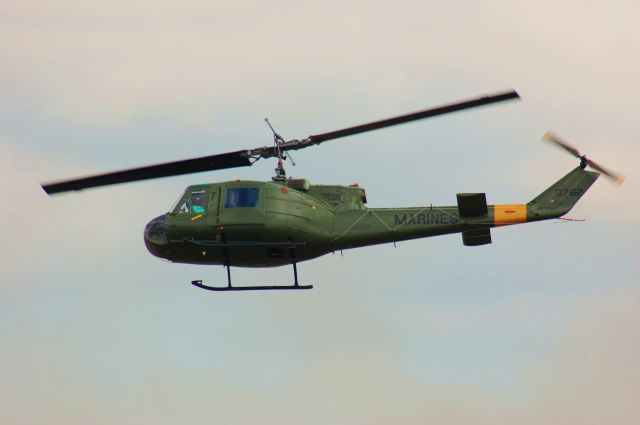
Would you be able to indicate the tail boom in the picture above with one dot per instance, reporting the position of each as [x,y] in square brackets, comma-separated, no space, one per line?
[472,216]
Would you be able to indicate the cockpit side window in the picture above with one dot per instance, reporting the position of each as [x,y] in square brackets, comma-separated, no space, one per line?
[198,204]
[242,197]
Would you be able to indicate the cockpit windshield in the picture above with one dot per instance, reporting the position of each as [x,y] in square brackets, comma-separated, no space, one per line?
[174,208]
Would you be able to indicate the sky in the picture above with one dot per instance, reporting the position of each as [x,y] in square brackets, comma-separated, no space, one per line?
[542,326]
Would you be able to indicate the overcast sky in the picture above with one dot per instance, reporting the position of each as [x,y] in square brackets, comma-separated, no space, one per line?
[542,326]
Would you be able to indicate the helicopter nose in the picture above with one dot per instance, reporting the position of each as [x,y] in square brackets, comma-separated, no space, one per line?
[155,235]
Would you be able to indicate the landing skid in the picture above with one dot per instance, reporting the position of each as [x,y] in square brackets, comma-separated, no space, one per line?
[199,284]
[224,245]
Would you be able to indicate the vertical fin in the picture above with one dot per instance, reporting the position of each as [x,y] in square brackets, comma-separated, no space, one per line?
[560,197]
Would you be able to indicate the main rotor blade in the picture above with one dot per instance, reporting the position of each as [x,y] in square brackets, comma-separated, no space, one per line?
[426,113]
[552,138]
[617,179]
[194,165]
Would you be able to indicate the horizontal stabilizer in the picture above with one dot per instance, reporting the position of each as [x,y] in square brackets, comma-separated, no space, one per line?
[472,204]
[476,237]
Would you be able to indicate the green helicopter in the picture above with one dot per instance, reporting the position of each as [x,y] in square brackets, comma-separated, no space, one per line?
[285,221]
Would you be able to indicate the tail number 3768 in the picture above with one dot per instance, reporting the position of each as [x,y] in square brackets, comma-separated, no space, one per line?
[570,192]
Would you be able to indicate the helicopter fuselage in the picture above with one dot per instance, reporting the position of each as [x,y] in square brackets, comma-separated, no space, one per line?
[268,224]
[252,223]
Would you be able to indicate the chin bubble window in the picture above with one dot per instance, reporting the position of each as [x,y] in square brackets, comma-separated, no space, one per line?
[242,197]
[198,202]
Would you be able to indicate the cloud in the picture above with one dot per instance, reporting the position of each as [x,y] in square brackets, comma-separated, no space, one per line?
[591,375]
[340,355]
[109,63]
[587,376]
[57,232]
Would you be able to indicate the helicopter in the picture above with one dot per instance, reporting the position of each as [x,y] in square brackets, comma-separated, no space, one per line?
[285,221]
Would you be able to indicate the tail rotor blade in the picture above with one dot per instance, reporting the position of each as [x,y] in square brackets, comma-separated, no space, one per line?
[584,161]
[552,138]
[617,179]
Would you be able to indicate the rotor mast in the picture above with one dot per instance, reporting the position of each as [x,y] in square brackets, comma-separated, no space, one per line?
[281,174]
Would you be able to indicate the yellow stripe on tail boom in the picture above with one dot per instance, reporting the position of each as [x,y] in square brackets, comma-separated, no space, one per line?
[509,214]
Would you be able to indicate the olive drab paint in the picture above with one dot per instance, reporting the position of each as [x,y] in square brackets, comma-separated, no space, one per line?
[250,223]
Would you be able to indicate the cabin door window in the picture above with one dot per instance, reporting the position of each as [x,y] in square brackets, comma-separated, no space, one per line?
[242,197]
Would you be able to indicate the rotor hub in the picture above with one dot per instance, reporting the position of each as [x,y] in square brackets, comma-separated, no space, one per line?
[584,161]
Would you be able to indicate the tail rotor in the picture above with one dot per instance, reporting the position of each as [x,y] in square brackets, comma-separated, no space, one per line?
[584,161]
